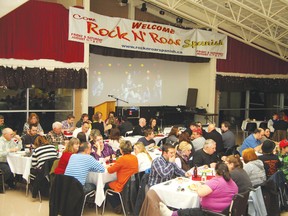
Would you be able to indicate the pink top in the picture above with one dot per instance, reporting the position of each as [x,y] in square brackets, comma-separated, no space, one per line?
[221,196]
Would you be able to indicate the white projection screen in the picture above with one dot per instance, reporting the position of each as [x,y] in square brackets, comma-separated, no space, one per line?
[140,82]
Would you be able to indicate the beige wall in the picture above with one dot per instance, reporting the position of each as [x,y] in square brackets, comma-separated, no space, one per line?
[203,78]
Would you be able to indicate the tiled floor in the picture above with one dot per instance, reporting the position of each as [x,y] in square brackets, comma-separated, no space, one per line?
[15,203]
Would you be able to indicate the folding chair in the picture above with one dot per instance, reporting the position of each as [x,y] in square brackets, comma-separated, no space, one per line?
[127,192]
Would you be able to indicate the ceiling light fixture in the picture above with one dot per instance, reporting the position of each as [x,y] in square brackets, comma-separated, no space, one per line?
[162,12]
[143,8]
[179,20]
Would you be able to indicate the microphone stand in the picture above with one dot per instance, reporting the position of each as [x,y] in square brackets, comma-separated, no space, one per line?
[117,101]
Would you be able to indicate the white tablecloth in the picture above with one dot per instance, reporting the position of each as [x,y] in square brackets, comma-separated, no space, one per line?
[134,139]
[172,196]
[99,179]
[19,164]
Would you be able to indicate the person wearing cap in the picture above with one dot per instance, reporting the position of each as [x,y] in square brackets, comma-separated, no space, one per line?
[198,140]
[270,160]
[283,156]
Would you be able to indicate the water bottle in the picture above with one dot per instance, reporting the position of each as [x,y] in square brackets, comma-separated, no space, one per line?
[203,177]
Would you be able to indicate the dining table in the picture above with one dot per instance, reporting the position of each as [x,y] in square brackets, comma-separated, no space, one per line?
[177,193]
[100,179]
[20,163]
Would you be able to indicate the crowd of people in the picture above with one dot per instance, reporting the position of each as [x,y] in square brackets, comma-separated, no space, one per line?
[97,141]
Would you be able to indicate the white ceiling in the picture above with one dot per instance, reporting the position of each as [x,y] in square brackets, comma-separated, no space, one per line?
[8,5]
[262,24]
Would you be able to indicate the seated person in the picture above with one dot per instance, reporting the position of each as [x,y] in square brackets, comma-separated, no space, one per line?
[99,124]
[125,166]
[85,128]
[216,194]
[197,139]
[101,149]
[33,119]
[228,136]
[253,167]
[114,139]
[2,124]
[238,174]
[29,138]
[67,125]
[84,118]
[43,151]
[148,140]
[112,120]
[173,135]
[153,125]
[213,134]
[7,144]
[139,129]
[56,137]
[164,168]
[81,164]
[283,156]
[144,159]
[192,126]
[270,160]
[207,155]
[125,126]
[183,152]
[71,148]
[253,140]
[82,137]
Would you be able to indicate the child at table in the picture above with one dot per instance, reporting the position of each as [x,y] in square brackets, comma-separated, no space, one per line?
[283,156]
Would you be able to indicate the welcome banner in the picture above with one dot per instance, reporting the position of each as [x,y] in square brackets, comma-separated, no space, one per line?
[88,27]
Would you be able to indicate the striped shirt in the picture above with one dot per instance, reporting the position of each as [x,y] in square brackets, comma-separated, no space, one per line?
[43,153]
[80,165]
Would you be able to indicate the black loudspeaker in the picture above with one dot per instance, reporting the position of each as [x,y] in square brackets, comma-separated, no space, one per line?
[191,98]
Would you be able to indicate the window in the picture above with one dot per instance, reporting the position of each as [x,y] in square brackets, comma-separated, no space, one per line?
[50,106]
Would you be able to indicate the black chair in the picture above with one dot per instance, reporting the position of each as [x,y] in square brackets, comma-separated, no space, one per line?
[238,206]
[263,125]
[39,180]
[250,128]
[2,181]
[67,197]
[127,196]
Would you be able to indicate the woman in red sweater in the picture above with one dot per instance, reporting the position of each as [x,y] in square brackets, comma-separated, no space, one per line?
[71,148]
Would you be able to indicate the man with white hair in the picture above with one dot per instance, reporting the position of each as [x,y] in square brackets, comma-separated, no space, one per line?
[207,155]
[139,129]
[56,137]
[8,143]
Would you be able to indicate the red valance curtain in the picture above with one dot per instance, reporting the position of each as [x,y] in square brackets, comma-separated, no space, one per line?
[242,58]
[38,30]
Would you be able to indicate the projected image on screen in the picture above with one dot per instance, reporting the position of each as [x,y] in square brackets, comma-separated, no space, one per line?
[140,82]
